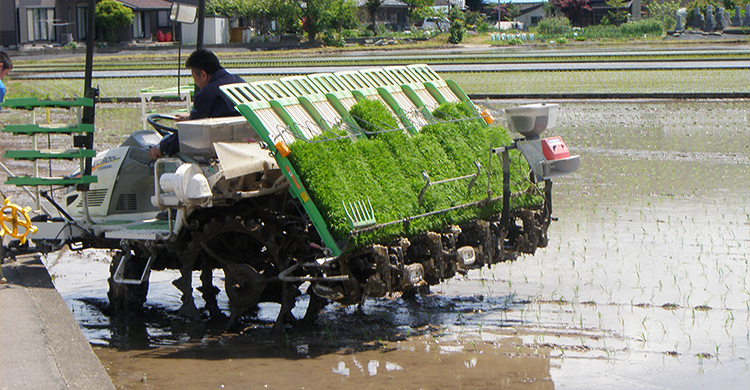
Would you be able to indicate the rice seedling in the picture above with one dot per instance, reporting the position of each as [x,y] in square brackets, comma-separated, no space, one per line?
[322,57]
[611,81]
[615,81]
[389,173]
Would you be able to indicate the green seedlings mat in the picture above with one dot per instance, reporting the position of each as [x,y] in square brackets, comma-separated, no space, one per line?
[386,168]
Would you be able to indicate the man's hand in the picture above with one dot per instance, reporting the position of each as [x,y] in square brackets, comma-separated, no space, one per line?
[183,116]
[154,152]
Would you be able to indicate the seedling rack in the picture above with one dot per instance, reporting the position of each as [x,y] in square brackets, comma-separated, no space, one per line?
[315,110]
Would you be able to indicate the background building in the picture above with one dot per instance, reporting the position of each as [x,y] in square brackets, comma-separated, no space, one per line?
[531,11]
[38,22]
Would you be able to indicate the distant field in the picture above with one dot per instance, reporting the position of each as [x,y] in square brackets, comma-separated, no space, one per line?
[400,55]
[604,81]
[554,82]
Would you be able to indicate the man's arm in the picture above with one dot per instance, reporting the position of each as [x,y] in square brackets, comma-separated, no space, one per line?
[168,145]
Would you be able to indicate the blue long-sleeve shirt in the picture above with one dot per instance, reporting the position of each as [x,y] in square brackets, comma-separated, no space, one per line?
[209,102]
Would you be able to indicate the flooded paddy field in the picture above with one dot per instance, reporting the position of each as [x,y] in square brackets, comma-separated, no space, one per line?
[644,284]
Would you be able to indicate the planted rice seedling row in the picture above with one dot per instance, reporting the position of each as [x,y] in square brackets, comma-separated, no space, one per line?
[604,81]
[635,81]
[245,60]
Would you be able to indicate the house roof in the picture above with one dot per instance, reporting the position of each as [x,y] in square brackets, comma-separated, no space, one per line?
[602,4]
[146,4]
[386,3]
[445,3]
[530,9]
[515,1]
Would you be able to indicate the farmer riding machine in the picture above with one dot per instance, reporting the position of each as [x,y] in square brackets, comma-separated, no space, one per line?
[345,185]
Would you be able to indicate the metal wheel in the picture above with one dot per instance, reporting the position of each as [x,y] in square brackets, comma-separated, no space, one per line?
[252,249]
[243,285]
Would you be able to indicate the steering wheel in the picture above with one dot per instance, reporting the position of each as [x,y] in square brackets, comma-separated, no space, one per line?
[154,119]
[19,217]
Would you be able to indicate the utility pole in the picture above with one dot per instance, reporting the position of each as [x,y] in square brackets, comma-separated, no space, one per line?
[201,24]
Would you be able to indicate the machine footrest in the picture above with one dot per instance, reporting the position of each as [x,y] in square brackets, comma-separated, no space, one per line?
[50,154]
[119,276]
[49,181]
[49,129]
[32,103]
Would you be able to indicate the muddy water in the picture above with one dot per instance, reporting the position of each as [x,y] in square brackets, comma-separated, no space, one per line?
[644,285]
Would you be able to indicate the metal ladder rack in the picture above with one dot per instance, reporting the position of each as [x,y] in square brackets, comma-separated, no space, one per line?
[82,149]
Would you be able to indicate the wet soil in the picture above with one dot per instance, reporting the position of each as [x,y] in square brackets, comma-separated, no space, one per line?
[644,285]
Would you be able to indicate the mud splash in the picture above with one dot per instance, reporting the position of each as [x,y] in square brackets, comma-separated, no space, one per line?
[644,284]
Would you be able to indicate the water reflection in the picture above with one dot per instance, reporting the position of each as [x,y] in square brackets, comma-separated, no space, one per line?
[644,284]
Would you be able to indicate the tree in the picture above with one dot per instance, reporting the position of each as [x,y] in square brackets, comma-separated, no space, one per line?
[342,15]
[319,15]
[617,13]
[664,12]
[372,8]
[231,9]
[550,10]
[286,13]
[458,26]
[421,13]
[258,13]
[475,5]
[414,4]
[573,9]
[420,9]
[111,14]
[508,12]
[474,18]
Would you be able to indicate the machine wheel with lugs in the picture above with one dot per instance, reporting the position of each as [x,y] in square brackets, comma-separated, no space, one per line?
[253,248]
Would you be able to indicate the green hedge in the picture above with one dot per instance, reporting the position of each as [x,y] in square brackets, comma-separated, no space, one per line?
[554,26]
[387,167]
[647,27]
[557,27]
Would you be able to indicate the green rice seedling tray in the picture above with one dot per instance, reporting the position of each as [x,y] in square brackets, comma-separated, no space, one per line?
[387,170]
